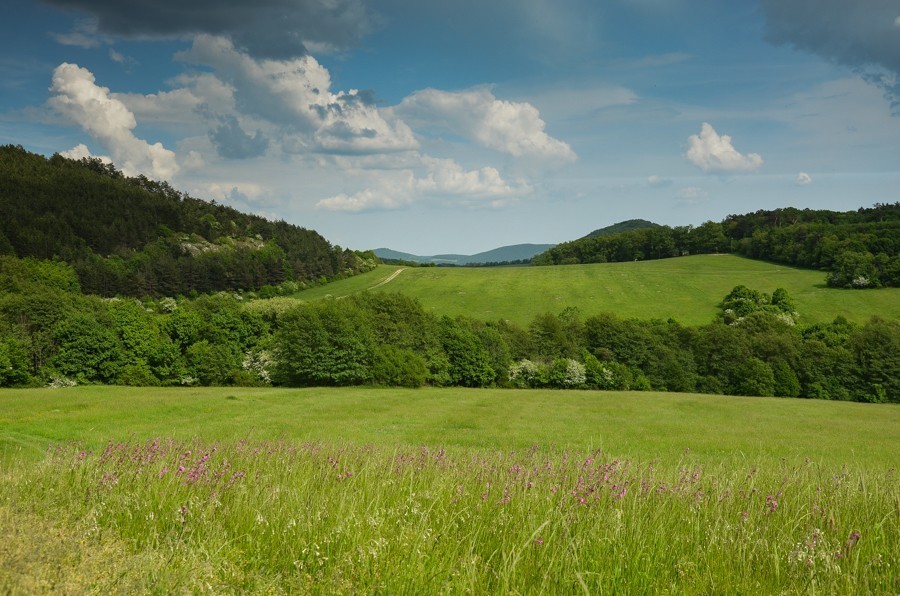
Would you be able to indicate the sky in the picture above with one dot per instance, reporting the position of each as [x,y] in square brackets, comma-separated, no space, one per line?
[461,126]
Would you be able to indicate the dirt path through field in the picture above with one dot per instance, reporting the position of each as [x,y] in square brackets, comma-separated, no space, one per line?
[389,279]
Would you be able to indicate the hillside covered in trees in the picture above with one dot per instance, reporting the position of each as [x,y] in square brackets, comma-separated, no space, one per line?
[137,237]
[857,249]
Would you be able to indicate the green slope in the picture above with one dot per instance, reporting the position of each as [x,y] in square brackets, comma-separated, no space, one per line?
[687,289]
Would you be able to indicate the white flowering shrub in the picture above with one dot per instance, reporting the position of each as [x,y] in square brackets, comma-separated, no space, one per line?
[788,318]
[566,373]
[61,382]
[575,374]
[524,373]
[167,305]
[260,364]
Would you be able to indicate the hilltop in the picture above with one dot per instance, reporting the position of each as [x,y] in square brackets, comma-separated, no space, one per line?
[623,226]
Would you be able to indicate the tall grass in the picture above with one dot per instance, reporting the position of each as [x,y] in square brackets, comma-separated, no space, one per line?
[311,517]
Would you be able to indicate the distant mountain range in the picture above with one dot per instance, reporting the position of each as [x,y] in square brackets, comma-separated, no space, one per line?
[504,254]
[516,252]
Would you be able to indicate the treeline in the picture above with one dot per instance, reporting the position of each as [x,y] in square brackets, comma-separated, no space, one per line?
[405,263]
[51,334]
[659,242]
[138,237]
[858,249]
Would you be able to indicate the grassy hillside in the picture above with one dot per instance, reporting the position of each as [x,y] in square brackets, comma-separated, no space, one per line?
[687,289]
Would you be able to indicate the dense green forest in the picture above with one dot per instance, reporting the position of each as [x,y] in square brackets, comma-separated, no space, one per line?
[857,249]
[50,333]
[137,237]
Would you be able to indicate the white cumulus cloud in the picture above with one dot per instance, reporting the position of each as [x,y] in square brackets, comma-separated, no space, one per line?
[80,151]
[803,179]
[441,178]
[515,128]
[80,99]
[714,153]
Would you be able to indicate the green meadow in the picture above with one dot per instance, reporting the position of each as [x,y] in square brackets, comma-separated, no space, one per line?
[624,424]
[687,289]
[372,490]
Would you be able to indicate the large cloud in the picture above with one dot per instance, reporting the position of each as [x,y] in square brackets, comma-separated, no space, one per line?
[106,119]
[511,127]
[861,34]
[265,28]
[713,153]
[442,178]
[295,96]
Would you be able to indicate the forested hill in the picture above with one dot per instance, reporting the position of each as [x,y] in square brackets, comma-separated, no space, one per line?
[858,249]
[623,226]
[135,236]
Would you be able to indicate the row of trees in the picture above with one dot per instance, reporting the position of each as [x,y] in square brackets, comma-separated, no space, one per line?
[137,237]
[659,242]
[50,333]
[858,249]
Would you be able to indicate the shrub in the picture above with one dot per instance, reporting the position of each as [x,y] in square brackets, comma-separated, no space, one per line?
[398,367]
[754,377]
[137,374]
[525,373]
[566,373]
[326,343]
[469,363]
[606,375]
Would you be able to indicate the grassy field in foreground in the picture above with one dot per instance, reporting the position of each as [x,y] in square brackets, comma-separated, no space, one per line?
[624,424]
[444,491]
[687,289]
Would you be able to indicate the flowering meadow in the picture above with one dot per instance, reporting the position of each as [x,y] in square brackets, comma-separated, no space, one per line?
[168,515]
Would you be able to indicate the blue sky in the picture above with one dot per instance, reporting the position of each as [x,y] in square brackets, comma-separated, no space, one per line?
[434,127]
